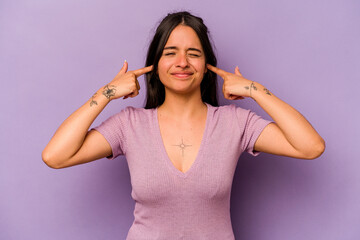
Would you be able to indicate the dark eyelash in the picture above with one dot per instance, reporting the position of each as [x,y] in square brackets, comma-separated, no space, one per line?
[171,53]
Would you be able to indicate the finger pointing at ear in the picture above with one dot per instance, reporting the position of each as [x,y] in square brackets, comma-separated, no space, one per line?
[125,83]
[235,86]
[216,70]
[142,71]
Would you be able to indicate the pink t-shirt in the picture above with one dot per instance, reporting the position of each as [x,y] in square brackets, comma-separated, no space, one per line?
[170,204]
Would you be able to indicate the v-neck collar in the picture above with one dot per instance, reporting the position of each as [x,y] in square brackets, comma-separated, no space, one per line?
[162,148]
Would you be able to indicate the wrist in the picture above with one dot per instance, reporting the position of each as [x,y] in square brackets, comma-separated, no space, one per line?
[99,98]
[253,89]
[259,91]
[108,92]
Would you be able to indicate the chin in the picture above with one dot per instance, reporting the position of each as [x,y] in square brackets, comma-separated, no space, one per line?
[181,85]
[183,89]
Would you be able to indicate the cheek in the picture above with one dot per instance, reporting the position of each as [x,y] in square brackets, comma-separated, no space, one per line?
[163,69]
[200,67]
[163,66]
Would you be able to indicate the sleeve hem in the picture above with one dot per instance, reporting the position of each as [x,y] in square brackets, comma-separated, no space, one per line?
[256,134]
[110,140]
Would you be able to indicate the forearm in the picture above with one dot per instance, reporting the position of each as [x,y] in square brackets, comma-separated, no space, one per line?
[297,130]
[69,137]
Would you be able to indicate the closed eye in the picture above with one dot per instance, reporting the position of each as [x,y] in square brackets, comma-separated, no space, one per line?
[194,55]
[169,53]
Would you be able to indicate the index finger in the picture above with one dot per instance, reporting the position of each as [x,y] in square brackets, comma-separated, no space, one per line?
[142,71]
[216,70]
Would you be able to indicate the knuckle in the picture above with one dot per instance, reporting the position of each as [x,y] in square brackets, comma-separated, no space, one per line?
[131,74]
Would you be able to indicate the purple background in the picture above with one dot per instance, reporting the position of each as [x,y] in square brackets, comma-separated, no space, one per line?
[55,54]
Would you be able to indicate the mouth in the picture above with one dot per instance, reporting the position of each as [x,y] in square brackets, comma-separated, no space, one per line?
[182,74]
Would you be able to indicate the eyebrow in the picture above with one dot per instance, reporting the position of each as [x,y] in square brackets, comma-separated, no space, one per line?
[189,49]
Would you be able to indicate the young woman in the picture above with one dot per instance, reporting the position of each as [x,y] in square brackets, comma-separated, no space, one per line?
[182,148]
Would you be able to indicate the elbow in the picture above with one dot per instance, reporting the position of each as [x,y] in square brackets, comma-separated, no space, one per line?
[317,150]
[49,160]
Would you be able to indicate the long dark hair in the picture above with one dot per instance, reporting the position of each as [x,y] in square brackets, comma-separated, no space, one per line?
[155,94]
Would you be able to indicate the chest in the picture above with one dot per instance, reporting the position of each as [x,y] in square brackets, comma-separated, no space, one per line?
[160,170]
[182,141]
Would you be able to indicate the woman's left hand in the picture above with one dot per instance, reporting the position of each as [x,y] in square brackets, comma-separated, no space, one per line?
[291,135]
[235,85]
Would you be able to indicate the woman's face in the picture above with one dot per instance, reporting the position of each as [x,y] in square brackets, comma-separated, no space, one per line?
[182,64]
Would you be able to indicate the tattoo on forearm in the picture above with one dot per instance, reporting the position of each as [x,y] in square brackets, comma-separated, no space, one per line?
[267,91]
[252,86]
[109,91]
[182,146]
[93,101]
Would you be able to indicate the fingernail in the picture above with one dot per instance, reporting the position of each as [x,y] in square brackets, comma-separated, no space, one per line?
[125,60]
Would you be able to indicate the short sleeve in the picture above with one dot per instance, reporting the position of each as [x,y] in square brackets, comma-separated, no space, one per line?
[112,129]
[251,126]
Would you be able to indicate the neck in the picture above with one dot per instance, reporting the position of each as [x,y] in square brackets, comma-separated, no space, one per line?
[182,106]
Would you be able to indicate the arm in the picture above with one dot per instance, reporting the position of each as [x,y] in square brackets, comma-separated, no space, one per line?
[291,135]
[72,143]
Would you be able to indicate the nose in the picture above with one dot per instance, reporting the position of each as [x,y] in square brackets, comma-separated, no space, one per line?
[182,61]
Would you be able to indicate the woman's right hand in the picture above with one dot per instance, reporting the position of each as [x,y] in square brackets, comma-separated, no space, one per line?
[125,83]
[72,142]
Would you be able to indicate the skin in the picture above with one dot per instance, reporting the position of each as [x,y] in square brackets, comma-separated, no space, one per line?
[182,66]
[73,143]
[181,69]
[291,135]
[182,116]
[183,53]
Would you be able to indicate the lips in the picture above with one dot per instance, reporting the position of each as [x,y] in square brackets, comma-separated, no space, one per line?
[182,74]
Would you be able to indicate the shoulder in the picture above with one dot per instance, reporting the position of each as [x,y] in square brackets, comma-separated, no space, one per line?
[130,110]
[232,113]
[135,114]
[230,110]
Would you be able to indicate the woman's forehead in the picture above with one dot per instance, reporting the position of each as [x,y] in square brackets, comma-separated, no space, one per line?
[183,37]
